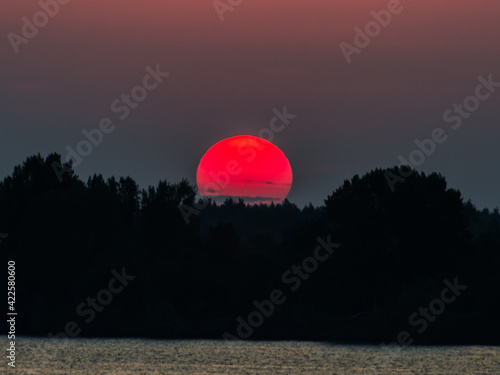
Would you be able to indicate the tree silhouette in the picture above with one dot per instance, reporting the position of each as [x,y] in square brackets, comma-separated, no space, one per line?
[193,280]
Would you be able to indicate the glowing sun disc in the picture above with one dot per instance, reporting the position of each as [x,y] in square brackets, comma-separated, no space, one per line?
[245,167]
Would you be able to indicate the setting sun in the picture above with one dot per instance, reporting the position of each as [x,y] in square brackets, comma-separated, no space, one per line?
[245,167]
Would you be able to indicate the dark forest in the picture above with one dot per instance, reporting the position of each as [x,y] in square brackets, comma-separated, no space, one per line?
[395,253]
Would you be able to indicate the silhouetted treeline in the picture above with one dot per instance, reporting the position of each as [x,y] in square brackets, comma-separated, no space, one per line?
[194,280]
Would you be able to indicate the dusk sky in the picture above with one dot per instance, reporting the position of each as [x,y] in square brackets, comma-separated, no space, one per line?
[228,77]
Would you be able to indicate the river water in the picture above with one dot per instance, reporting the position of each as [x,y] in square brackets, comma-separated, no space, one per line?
[141,357]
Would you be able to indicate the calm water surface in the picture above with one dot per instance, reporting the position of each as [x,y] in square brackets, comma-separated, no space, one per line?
[141,357]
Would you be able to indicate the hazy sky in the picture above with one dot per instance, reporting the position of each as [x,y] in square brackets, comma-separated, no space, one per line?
[226,77]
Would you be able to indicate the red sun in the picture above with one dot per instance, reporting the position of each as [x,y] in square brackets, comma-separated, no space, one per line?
[245,167]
